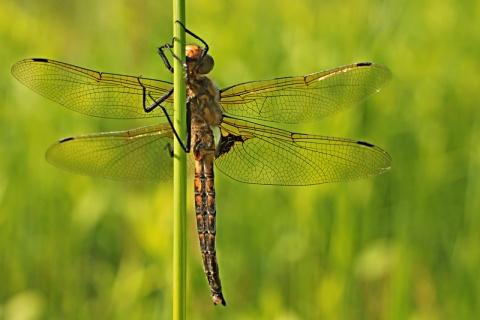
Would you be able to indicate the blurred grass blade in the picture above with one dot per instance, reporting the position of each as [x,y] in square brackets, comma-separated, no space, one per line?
[179,169]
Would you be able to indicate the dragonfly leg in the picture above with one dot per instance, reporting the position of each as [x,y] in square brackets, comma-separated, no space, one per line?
[205,48]
[164,57]
[170,149]
[186,149]
[188,138]
[157,103]
[186,146]
[169,47]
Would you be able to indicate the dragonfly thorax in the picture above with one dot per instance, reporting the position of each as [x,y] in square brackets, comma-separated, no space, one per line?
[195,62]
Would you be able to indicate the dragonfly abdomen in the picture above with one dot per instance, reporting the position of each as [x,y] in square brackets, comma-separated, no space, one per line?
[205,208]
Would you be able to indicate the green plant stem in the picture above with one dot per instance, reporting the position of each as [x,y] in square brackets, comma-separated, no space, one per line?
[179,169]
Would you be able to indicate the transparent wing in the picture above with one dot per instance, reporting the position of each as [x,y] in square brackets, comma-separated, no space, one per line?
[98,94]
[305,98]
[253,153]
[139,155]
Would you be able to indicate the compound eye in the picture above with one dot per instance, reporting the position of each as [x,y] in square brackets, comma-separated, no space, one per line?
[206,65]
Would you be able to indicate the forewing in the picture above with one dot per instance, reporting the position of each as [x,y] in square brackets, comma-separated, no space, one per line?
[98,94]
[305,98]
[139,155]
[253,153]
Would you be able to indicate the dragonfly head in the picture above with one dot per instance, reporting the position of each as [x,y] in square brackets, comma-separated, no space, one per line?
[195,61]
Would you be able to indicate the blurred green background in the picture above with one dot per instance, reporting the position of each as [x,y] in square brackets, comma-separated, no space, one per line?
[403,245]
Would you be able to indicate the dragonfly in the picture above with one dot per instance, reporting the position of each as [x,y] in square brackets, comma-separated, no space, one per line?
[221,129]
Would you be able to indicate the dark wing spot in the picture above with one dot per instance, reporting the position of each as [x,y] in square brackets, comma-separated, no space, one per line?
[66,139]
[364,143]
[364,64]
[226,143]
[40,60]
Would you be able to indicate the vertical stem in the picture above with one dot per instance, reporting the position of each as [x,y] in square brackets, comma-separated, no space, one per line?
[179,169]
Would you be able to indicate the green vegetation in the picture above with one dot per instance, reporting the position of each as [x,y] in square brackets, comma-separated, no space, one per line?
[403,245]
[179,295]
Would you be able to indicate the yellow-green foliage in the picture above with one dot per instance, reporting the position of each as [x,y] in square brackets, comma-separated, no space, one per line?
[403,245]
